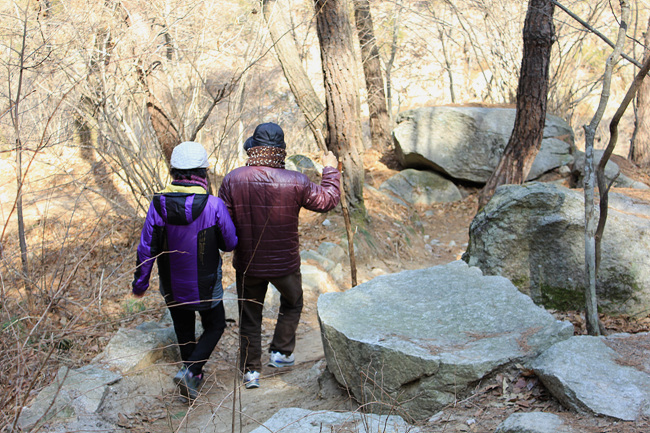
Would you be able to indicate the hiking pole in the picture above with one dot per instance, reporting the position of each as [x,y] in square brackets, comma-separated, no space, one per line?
[346,214]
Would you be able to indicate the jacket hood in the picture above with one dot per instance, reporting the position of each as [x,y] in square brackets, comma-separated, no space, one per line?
[179,208]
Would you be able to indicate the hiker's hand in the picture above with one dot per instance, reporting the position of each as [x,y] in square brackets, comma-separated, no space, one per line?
[329,159]
[138,295]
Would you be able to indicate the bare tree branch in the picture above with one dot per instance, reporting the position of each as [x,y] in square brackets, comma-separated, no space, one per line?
[596,32]
[591,270]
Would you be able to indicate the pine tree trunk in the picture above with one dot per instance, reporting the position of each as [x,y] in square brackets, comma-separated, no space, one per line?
[526,138]
[289,57]
[379,119]
[640,148]
[342,100]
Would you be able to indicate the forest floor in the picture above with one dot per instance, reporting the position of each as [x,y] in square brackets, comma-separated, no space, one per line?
[397,239]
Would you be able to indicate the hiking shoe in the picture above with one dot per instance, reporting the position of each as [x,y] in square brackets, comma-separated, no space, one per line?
[252,379]
[179,376]
[189,385]
[279,360]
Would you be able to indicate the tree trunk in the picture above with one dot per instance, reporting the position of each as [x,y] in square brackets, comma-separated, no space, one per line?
[526,138]
[19,213]
[342,100]
[640,146]
[379,119]
[289,57]
[445,54]
[166,132]
[391,59]
[14,109]
[591,248]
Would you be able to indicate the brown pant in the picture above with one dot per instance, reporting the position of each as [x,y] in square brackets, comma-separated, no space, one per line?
[251,292]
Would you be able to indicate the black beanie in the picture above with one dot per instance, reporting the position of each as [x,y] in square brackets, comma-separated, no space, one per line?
[266,134]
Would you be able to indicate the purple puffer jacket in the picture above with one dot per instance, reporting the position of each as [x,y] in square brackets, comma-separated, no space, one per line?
[264,204]
[185,232]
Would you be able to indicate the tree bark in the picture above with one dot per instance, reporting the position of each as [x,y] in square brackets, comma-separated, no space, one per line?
[379,119]
[640,146]
[14,109]
[526,138]
[591,261]
[289,57]
[341,98]
[603,186]
[391,60]
[166,132]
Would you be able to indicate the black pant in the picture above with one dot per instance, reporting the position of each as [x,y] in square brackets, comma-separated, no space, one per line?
[251,292]
[196,353]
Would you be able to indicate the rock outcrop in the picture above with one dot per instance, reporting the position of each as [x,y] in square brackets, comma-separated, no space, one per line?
[416,341]
[612,172]
[133,350]
[74,395]
[534,422]
[588,376]
[466,143]
[420,187]
[533,234]
[296,420]
[304,165]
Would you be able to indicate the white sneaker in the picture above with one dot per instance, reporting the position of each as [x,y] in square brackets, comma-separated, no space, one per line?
[279,360]
[252,379]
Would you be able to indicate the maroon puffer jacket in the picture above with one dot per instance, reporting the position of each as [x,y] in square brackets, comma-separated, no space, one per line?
[264,204]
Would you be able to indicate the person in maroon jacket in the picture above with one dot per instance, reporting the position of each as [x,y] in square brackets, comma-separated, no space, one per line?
[264,201]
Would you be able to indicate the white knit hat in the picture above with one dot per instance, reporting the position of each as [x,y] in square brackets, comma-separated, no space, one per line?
[188,155]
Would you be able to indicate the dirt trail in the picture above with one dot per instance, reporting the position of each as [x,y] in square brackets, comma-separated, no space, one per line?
[403,239]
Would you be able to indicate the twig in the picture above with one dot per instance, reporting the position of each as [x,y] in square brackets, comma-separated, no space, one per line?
[346,216]
[603,188]
[594,31]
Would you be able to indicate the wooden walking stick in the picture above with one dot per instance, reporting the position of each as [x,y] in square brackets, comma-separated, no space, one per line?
[346,215]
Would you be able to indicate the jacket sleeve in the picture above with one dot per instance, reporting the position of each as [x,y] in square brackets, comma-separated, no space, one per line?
[224,193]
[226,227]
[324,197]
[151,241]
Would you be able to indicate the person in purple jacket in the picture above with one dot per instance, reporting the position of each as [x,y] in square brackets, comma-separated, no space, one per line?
[184,230]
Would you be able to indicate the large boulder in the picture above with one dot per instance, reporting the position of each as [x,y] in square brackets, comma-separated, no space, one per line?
[413,342]
[466,142]
[534,235]
[587,375]
[304,165]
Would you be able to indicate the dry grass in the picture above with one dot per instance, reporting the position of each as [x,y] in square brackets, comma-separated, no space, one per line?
[74,299]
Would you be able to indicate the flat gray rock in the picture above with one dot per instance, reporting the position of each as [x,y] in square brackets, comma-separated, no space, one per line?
[588,376]
[416,341]
[533,422]
[420,187]
[133,350]
[333,251]
[295,420]
[72,394]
